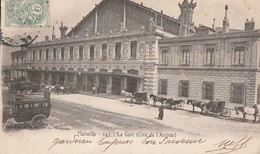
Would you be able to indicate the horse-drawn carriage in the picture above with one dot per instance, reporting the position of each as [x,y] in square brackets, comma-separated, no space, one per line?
[213,107]
[24,87]
[32,112]
[15,86]
[139,98]
[218,108]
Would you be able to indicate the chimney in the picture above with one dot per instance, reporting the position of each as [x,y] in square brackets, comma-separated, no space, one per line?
[213,25]
[46,38]
[63,30]
[250,25]
[53,35]
[225,21]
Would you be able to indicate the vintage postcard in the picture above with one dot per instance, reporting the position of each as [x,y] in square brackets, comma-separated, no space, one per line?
[123,76]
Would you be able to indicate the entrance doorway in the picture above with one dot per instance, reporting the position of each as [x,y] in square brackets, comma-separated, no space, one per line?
[116,85]
[103,84]
[80,82]
[61,78]
[90,82]
[131,85]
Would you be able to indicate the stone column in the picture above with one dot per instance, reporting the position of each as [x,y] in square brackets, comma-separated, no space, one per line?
[65,78]
[49,77]
[85,86]
[124,86]
[109,85]
[74,84]
[97,80]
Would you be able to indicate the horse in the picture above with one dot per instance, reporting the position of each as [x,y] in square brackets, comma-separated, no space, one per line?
[246,110]
[173,102]
[196,103]
[157,99]
[127,94]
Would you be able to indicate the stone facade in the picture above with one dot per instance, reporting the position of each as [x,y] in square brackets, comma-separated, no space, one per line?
[224,67]
[111,48]
[114,48]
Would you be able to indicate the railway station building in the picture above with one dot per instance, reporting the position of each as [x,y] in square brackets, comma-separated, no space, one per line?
[124,45]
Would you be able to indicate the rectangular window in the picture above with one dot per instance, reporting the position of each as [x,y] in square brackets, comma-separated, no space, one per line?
[62,53]
[104,51]
[81,52]
[239,56]
[185,57]
[165,57]
[208,90]
[210,59]
[237,93]
[54,54]
[40,54]
[118,50]
[163,84]
[34,55]
[71,53]
[47,54]
[184,88]
[133,49]
[92,52]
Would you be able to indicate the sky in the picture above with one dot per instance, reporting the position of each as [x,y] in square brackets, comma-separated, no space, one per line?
[70,12]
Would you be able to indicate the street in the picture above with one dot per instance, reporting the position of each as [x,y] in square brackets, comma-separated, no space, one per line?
[85,112]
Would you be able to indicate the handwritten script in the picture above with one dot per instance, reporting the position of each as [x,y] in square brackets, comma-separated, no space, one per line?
[229,146]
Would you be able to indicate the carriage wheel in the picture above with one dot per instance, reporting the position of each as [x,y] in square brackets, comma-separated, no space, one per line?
[139,101]
[39,121]
[225,113]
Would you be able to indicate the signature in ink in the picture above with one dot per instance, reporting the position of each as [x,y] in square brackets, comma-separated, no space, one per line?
[229,146]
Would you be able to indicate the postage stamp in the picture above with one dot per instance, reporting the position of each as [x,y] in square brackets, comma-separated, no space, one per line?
[23,13]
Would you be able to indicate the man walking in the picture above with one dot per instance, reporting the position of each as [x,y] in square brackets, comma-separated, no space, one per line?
[160,116]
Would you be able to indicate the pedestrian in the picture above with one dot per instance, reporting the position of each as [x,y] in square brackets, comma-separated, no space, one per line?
[160,116]
[94,89]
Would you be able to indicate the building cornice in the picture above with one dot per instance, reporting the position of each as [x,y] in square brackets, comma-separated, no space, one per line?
[253,33]
[247,69]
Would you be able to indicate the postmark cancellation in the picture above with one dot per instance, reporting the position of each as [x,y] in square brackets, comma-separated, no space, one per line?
[23,13]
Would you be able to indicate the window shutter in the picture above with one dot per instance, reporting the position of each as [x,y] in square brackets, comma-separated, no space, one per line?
[213,91]
[180,89]
[231,93]
[243,94]
[203,90]
[160,87]
[188,89]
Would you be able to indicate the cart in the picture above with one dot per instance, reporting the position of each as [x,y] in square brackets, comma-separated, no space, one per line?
[218,108]
[32,112]
[139,98]
[173,104]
